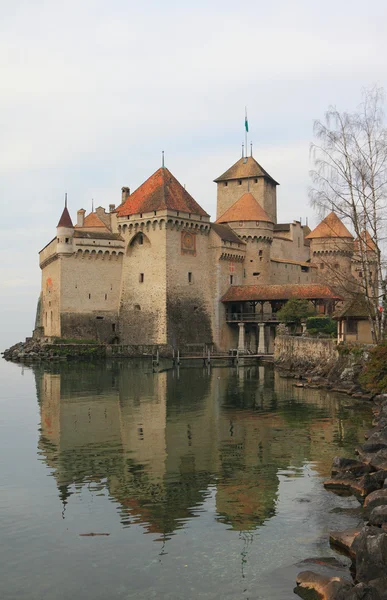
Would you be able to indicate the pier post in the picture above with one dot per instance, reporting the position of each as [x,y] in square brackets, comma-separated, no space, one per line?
[241,339]
[261,338]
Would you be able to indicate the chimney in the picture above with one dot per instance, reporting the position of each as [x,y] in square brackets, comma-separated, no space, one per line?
[80,217]
[125,193]
[112,207]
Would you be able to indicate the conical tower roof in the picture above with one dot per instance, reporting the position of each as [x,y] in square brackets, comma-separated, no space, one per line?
[65,220]
[245,168]
[245,209]
[367,243]
[161,191]
[330,227]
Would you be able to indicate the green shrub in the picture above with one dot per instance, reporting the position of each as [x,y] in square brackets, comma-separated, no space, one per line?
[326,325]
[374,376]
[295,311]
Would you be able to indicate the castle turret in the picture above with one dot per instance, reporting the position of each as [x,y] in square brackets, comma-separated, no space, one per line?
[255,227]
[244,176]
[65,233]
[331,250]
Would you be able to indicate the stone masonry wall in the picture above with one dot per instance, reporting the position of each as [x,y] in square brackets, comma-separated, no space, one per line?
[303,350]
[51,293]
[264,193]
[189,300]
[223,264]
[143,292]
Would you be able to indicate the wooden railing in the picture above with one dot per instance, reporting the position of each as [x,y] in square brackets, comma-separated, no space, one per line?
[238,317]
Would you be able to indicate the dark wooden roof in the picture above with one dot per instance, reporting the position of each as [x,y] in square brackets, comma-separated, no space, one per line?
[355,307]
[226,234]
[97,235]
[65,220]
[245,168]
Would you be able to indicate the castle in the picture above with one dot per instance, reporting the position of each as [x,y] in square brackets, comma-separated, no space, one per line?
[156,271]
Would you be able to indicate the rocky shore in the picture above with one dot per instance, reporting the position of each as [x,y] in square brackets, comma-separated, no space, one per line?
[35,351]
[366,479]
[321,363]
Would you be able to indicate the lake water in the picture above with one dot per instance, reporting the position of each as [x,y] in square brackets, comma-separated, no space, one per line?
[208,482]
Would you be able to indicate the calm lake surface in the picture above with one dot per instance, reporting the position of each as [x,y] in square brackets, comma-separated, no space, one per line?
[208,482]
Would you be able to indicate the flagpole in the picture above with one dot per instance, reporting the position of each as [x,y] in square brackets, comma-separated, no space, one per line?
[246,129]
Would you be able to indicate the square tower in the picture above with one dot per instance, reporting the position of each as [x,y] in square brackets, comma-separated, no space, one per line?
[246,175]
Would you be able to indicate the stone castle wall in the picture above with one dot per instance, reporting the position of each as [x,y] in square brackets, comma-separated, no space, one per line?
[51,297]
[263,191]
[143,316]
[188,275]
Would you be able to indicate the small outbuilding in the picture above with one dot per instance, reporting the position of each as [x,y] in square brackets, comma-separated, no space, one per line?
[353,324]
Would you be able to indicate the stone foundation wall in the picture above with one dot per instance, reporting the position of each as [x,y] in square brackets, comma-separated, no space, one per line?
[303,350]
[101,327]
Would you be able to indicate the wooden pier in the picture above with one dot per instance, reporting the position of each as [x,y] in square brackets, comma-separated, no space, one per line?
[208,358]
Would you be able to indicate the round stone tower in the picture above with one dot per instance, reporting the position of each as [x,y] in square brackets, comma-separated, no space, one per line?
[331,250]
[251,223]
[65,233]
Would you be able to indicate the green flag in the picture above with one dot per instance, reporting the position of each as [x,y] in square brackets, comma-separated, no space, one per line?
[246,123]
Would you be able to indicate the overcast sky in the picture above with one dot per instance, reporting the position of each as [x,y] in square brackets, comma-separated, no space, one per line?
[92,91]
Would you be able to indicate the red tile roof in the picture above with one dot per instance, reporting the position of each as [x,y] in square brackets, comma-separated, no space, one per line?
[330,227]
[65,220]
[368,243]
[161,191]
[245,209]
[245,168]
[93,220]
[245,293]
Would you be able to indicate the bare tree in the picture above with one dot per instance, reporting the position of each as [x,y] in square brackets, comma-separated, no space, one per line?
[350,178]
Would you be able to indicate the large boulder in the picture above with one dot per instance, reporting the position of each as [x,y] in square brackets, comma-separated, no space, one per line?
[361,591]
[380,585]
[370,548]
[340,465]
[378,515]
[376,498]
[344,540]
[327,588]
[378,461]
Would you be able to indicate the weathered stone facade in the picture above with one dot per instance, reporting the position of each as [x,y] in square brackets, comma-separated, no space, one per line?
[154,271]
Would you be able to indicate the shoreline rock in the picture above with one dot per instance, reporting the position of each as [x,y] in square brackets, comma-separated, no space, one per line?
[366,479]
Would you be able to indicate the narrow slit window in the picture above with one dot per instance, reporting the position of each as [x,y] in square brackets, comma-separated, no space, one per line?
[231,279]
[141,277]
[189,277]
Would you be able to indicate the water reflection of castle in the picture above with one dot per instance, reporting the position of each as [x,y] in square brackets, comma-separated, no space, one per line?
[159,442]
